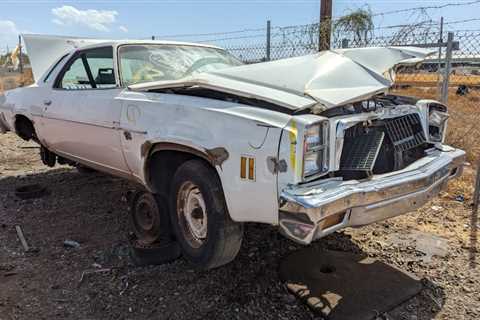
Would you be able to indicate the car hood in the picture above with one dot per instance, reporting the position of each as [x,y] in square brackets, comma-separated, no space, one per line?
[328,78]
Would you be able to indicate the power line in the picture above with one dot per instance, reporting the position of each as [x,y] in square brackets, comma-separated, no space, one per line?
[462,21]
[421,8]
[186,35]
[424,8]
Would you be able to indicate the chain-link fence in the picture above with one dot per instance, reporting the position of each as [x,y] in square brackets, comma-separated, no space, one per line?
[425,80]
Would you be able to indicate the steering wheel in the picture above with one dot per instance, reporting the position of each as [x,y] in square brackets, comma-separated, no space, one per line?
[147,74]
[201,62]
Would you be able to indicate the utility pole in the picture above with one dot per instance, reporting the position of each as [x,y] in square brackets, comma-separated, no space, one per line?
[325,25]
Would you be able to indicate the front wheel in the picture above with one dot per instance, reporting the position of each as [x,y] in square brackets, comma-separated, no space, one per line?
[207,235]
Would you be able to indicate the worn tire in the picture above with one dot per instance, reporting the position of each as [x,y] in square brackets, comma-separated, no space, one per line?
[223,235]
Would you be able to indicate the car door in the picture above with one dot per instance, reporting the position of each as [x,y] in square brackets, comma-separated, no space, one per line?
[80,119]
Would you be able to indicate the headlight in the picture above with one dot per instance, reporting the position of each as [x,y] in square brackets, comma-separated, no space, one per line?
[437,120]
[315,148]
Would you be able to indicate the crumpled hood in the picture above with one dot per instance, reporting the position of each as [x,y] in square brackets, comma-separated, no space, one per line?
[328,78]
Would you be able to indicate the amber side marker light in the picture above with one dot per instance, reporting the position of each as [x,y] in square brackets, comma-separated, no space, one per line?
[244,161]
[251,168]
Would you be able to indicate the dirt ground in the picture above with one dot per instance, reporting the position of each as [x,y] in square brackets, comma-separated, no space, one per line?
[90,209]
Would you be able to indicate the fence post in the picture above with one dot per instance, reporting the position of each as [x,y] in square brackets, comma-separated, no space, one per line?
[448,65]
[268,40]
[20,61]
[439,66]
[476,193]
[474,219]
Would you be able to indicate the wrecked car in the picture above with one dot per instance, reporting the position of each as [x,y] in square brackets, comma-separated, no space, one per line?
[310,144]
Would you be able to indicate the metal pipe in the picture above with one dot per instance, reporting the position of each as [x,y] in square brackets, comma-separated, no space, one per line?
[440,40]
[268,40]
[448,66]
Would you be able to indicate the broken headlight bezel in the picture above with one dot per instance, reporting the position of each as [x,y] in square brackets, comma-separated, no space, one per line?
[315,150]
[437,122]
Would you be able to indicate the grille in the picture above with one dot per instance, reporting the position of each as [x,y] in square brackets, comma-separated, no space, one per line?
[360,152]
[405,132]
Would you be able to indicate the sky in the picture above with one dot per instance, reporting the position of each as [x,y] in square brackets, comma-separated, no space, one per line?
[141,19]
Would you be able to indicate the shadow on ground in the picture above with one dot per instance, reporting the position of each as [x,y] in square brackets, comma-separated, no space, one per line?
[90,209]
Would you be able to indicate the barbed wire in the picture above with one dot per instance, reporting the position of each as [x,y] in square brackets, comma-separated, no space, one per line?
[422,10]
[461,21]
[212,33]
[425,8]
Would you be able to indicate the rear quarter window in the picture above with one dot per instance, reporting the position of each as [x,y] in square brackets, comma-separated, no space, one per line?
[55,67]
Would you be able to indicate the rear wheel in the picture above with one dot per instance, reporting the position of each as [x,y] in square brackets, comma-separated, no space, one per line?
[149,218]
[202,225]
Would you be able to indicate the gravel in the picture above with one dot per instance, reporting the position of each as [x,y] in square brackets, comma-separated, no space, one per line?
[98,281]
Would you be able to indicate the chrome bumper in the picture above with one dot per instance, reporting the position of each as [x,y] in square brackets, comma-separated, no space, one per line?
[311,211]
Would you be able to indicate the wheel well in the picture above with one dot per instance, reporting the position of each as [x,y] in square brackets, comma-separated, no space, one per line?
[24,127]
[163,164]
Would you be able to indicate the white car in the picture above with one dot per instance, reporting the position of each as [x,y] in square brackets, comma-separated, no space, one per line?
[311,144]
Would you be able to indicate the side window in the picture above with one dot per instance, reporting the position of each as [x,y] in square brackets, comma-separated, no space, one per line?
[47,77]
[76,77]
[100,62]
[91,69]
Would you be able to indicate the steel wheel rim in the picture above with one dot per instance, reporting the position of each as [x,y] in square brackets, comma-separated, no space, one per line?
[145,217]
[192,214]
[146,220]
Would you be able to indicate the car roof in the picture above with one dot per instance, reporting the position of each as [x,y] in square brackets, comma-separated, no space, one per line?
[44,50]
[116,43]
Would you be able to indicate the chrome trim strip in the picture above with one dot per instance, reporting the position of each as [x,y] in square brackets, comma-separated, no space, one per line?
[113,126]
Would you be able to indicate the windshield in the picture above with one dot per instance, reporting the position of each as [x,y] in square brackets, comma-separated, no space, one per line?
[144,63]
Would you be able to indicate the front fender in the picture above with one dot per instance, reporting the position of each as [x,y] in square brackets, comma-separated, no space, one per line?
[212,129]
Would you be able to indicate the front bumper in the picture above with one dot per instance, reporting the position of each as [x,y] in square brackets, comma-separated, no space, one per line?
[311,211]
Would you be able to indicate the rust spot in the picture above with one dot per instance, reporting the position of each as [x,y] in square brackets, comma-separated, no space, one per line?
[145,148]
[217,155]
[275,166]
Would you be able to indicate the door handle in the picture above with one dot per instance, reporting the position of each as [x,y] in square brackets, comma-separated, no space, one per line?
[128,135]
[47,102]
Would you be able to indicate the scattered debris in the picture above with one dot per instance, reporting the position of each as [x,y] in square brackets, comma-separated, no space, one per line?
[338,285]
[431,245]
[437,208]
[9,274]
[428,244]
[460,198]
[462,90]
[88,272]
[6,267]
[71,244]
[22,238]
[30,191]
